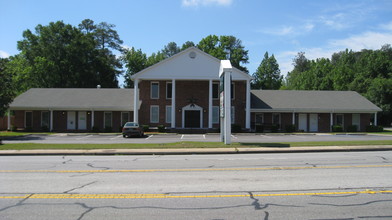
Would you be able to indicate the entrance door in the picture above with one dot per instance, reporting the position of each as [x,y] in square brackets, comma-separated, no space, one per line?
[192,119]
[302,122]
[71,121]
[313,122]
[82,121]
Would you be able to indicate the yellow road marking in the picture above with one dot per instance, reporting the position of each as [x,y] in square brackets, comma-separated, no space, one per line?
[168,196]
[197,169]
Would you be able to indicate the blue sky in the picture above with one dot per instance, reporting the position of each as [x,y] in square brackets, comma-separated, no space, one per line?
[281,27]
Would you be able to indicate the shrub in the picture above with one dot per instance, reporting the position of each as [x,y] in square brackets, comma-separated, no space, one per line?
[161,128]
[95,129]
[274,128]
[337,128]
[14,128]
[290,128]
[259,128]
[44,128]
[374,128]
[108,129]
[236,128]
[352,128]
[146,128]
[28,129]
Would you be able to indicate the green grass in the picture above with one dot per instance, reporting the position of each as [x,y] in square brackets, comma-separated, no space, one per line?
[31,146]
[15,134]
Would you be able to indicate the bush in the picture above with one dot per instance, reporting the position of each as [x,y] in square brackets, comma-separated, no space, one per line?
[259,128]
[337,128]
[146,128]
[14,128]
[236,128]
[374,128]
[95,129]
[352,128]
[108,129]
[290,128]
[161,128]
[274,128]
[28,129]
[44,128]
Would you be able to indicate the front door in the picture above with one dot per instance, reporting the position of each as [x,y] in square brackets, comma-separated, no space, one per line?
[302,122]
[313,122]
[71,121]
[82,120]
[192,119]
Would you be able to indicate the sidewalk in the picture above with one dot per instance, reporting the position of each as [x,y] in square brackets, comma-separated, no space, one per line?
[184,151]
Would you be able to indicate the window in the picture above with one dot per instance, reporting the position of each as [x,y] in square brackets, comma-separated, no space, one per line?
[232,114]
[259,118]
[168,114]
[154,90]
[124,117]
[215,90]
[107,119]
[28,119]
[276,118]
[169,88]
[339,119]
[45,118]
[215,114]
[154,114]
[356,119]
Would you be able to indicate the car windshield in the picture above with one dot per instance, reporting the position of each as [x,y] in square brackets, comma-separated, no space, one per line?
[132,124]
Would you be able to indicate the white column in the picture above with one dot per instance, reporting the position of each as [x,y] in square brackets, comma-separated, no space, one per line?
[92,119]
[173,104]
[136,102]
[227,106]
[247,110]
[210,105]
[375,119]
[51,120]
[293,119]
[331,124]
[9,120]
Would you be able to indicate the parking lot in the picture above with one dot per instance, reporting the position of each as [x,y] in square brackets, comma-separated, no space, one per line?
[172,138]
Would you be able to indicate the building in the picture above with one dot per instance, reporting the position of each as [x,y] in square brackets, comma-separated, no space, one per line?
[182,92]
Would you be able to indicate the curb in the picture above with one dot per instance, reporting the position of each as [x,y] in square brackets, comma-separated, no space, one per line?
[181,151]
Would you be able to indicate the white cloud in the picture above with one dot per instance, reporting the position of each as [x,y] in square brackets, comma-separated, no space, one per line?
[289,30]
[387,27]
[3,54]
[197,3]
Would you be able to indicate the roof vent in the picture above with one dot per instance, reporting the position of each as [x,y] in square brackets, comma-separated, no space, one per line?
[192,55]
[98,86]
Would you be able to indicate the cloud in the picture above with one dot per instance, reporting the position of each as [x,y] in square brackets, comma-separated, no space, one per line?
[387,27]
[197,3]
[4,54]
[289,30]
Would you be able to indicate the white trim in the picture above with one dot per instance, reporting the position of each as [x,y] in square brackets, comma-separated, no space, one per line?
[375,119]
[293,118]
[154,82]
[92,119]
[31,119]
[135,102]
[331,121]
[151,119]
[210,97]
[51,120]
[173,104]
[315,110]
[189,108]
[104,120]
[247,107]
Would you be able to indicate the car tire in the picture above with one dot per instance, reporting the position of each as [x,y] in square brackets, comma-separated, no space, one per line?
[125,136]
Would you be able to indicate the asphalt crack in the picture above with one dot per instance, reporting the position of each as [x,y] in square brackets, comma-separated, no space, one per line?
[80,187]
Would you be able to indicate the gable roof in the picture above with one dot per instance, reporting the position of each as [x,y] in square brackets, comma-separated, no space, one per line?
[74,99]
[189,64]
[310,101]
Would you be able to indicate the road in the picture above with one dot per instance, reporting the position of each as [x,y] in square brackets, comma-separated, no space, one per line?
[172,138]
[350,185]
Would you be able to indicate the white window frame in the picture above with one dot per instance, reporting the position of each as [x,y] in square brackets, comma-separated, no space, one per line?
[168,114]
[336,119]
[127,120]
[151,118]
[215,109]
[169,93]
[280,118]
[359,120]
[151,93]
[217,95]
[31,119]
[104,120]
[43,117]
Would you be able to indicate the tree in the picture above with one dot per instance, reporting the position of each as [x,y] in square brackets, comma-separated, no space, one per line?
[7,91]
[226,48]
[187,44]
[170,49]
[267,75]
[135,61]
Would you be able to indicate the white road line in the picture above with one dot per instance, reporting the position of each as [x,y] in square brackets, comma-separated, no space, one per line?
[204,136]
[182,136]
[193,136]
[233,136]
[84,137]
[149,137]
[116,137]
[265,136]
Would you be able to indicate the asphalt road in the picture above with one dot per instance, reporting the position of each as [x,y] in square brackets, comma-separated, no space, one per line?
[172,138]
[355,185]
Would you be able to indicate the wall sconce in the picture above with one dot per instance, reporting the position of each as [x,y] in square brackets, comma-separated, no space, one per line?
[88,113]
[63,113]
[179,110]
[204,110]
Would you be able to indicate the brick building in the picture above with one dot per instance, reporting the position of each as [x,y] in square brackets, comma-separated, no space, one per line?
[182,92]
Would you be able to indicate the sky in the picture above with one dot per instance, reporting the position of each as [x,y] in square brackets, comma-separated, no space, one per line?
[280,27]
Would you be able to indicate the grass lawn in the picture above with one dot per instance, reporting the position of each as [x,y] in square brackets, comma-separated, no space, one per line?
[31,146]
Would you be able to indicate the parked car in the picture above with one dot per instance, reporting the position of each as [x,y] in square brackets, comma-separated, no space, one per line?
[132,129]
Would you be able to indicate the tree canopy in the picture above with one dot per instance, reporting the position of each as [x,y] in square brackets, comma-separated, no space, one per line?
[267,75]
